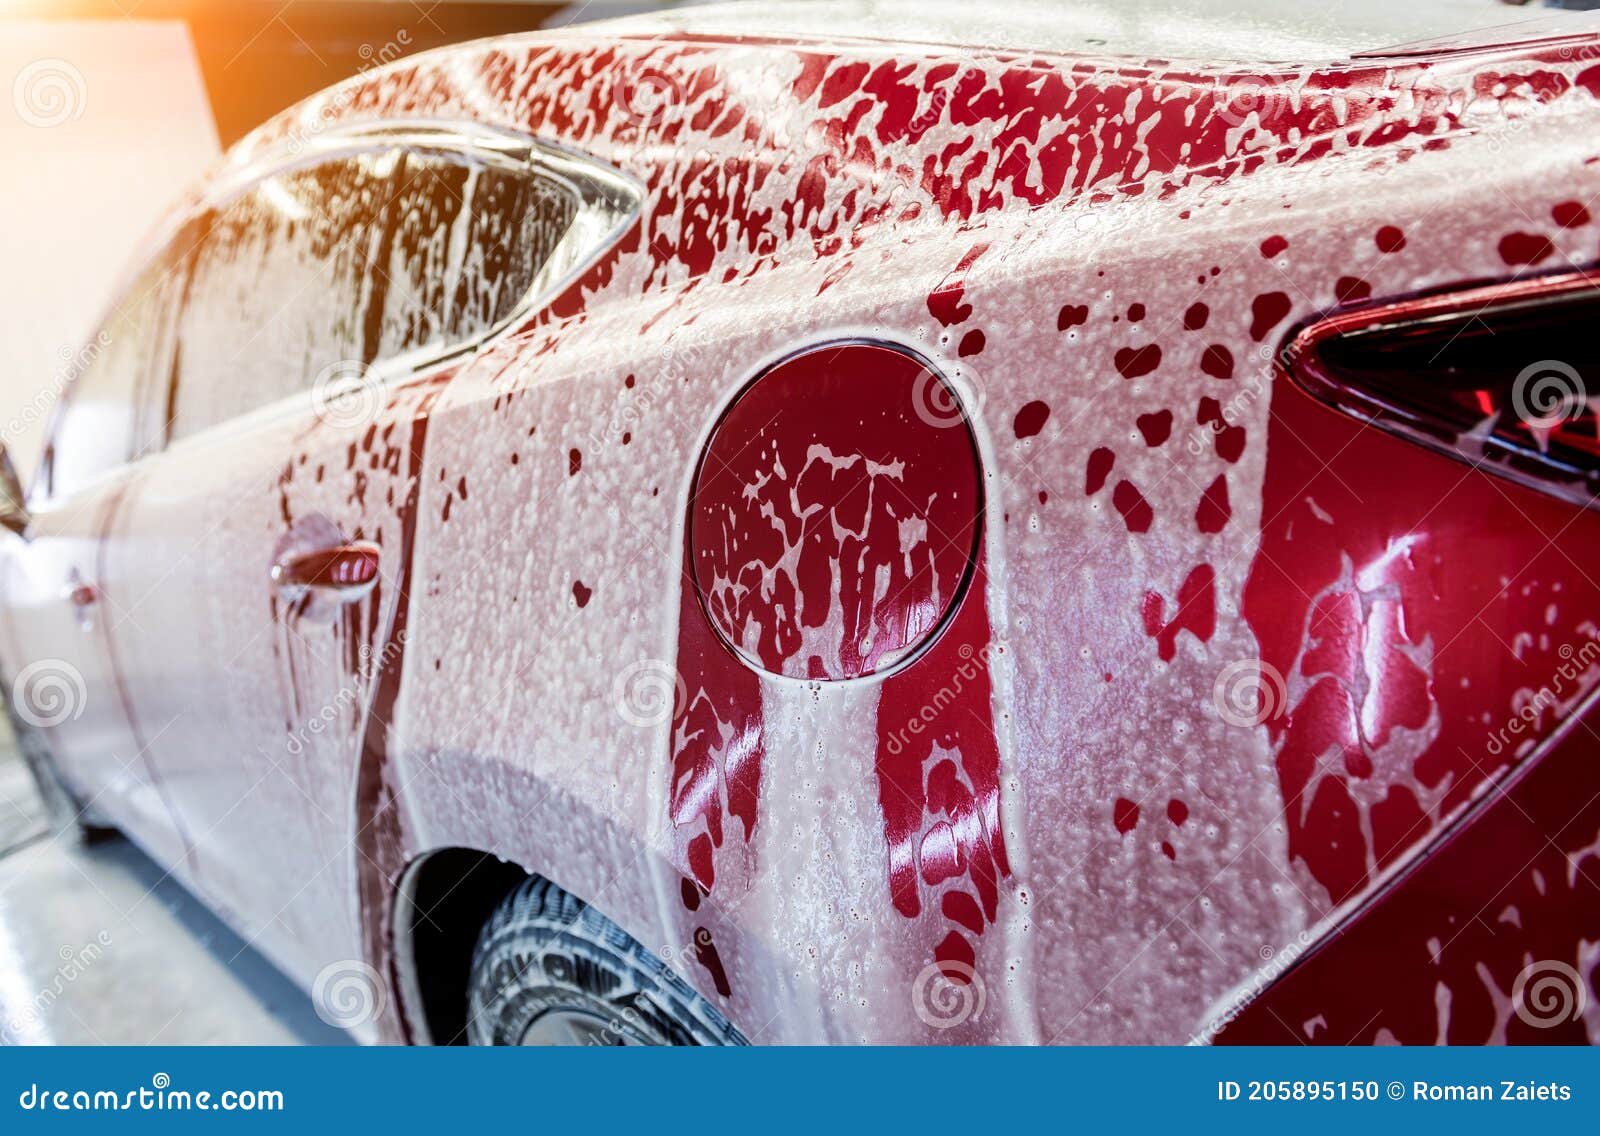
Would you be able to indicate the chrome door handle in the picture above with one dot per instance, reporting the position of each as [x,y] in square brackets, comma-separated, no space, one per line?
[344,573]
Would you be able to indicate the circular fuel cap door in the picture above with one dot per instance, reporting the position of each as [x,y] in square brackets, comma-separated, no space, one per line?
[834,516]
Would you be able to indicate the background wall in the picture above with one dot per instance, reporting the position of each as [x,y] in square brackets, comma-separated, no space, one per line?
[105,124]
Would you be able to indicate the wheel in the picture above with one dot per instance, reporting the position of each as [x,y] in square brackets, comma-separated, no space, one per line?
[549,969]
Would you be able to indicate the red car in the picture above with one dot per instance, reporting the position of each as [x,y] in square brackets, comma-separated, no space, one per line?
[843,524]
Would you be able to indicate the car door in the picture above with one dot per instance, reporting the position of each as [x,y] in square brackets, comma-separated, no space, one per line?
[64,678]
[327,302]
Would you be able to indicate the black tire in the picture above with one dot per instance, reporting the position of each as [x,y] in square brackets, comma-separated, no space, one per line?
[547,964]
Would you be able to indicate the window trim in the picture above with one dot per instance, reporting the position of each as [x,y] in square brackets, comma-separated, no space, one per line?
[608,203]
[1301,358]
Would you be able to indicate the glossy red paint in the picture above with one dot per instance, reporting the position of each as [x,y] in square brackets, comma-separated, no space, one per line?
[832,528]
[1363,598]
[716,745]
[938,768]
[835,513]
[1490,939]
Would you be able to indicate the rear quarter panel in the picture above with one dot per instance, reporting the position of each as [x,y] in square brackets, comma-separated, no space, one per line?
[1104,260]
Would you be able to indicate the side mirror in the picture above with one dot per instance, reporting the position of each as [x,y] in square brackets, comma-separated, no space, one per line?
[13,500]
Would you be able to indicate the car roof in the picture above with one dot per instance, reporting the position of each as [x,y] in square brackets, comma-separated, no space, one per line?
[1208,30]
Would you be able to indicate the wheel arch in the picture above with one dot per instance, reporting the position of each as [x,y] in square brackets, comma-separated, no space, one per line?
[442,901]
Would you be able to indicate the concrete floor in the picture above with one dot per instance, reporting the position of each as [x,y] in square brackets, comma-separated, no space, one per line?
[99,946]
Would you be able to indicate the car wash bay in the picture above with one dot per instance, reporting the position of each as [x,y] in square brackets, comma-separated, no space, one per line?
[98,945]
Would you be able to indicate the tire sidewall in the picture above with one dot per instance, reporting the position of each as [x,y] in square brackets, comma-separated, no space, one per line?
[544,952]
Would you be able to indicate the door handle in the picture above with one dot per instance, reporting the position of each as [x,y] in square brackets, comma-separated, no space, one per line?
[343,573]
[84,597]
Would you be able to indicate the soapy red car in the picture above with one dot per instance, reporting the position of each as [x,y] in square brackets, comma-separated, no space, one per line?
[838,524]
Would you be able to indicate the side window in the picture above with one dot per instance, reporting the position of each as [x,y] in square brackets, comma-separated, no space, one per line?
[103,418]
[468,243]
[370,259]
